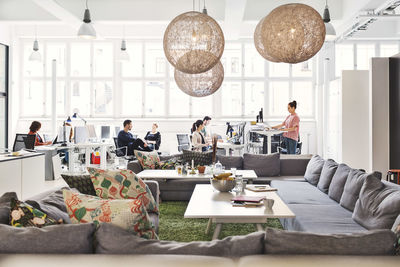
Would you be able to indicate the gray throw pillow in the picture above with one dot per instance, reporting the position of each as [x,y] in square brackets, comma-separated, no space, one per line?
[5,202]
[111,239]
[327,173]
[54,239]
[378,205]
[338,181]
[352,188]
[263,165]
[231,162]
[314,168]
[81,182]
[378,242]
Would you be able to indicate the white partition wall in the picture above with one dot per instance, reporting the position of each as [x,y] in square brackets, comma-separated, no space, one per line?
[355,119]
[379,128]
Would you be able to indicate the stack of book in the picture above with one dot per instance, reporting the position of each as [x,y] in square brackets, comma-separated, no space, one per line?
[248,201]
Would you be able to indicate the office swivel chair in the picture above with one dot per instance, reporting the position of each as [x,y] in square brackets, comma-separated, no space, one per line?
[282,148]
[121,152]
[183,142]
[24,141]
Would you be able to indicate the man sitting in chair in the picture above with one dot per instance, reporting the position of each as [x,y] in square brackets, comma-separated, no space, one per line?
[125,138]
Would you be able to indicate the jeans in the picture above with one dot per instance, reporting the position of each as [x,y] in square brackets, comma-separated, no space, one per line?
[291,145]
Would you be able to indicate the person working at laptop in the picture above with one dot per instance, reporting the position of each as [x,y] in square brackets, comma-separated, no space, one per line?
[125,138]
[33,130]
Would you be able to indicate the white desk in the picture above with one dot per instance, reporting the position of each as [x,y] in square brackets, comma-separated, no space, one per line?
[227,146]
[88,148]
[216,206]
[24,175]
[268,134]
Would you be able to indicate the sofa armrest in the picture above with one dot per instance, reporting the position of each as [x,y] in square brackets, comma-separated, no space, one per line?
[155,190]
[135,166]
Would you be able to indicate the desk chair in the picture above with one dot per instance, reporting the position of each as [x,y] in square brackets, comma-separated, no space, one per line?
[121,152]
[183,142]
[282,148]
[24,141]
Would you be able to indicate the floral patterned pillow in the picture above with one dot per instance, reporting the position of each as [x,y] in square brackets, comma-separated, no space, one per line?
[128,214]
[148,160]
[122,184]
[24,215]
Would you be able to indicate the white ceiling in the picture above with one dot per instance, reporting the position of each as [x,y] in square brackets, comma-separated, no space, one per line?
[148,18]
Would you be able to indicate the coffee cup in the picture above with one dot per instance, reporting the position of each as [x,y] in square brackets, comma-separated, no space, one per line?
[268,203]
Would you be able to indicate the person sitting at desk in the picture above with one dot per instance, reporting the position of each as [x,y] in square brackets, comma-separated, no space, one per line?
[125,138]
[153,137]
[33,130]
[291,128]
[198,140]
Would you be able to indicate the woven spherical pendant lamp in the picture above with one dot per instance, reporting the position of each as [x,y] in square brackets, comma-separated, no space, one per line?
[291,33]
[258,42]
[193,42]
[202,84]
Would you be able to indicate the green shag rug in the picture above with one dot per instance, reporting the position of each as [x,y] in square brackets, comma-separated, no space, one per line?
[172,225]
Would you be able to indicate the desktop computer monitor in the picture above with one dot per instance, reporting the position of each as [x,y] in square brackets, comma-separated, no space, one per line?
[63,134]
[91,131]
[81,134]
[105,132]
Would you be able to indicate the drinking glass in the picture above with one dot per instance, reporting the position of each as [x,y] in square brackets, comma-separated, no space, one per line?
[233,171]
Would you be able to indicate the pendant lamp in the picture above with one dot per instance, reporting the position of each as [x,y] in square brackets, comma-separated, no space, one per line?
[123,54]
[330,30]
[86,30]
[35,55]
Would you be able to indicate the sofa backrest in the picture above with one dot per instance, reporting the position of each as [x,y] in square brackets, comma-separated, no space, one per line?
[294,166]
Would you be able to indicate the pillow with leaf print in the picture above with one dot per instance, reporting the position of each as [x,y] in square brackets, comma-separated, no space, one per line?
[24,215]
[122,184]
[129,214]
[148,160]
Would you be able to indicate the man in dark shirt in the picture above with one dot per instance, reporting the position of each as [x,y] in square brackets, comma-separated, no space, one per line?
[125,138]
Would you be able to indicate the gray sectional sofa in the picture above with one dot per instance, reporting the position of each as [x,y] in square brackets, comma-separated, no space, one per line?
[267,167]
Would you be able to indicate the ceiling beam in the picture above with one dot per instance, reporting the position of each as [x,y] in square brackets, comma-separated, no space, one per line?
[234,13]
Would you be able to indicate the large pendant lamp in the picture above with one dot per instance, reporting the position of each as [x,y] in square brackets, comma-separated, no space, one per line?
[291,33]
[35,55]
[202,84]
[330,30]
[193,42]
[86,30]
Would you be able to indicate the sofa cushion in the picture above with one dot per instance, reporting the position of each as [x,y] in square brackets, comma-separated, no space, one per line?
[128,214]
[352,188]
[314,168]
[325,219]
[24,215]
[81,182]
[113,240]
[122,184]
[53,205]
[54,239]
[296,192]
[338,181]
[378,205]
[231,162]
[199,158]
[5,203]
[329,169]
[379,242]
[148,160]
[263,165]
[293,166]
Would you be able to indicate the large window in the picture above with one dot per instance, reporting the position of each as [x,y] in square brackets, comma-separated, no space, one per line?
[92,81]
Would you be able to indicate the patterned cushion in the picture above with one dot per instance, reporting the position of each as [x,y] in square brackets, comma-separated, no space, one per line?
[122,184]
[148,160]
[24,215]
[5,201]
[128,214]
[167,165]
[396,230]
[200,158]
[82,183]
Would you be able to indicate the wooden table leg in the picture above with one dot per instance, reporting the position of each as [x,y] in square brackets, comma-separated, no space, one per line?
[217,231]
[208,226]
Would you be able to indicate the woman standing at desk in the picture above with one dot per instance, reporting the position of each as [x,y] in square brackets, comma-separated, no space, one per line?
[198,141]
[291,128]
[33,130]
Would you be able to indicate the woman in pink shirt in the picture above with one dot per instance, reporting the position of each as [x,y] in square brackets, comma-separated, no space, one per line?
[291,127]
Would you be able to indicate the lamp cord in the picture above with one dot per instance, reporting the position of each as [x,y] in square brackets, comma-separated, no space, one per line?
[193,5]
[87,4]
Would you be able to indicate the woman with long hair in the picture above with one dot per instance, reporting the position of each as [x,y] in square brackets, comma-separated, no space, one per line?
[198,140]
[33,130]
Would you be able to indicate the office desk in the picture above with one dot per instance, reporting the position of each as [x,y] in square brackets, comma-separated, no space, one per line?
[268,134]
[227,146]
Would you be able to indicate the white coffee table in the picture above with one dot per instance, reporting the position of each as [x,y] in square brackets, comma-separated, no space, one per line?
[173,174]
[206,202]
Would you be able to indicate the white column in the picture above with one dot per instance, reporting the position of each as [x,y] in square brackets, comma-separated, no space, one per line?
[54,98]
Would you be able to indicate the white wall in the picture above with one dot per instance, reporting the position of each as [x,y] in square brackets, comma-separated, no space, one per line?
[379,114]
[355,118]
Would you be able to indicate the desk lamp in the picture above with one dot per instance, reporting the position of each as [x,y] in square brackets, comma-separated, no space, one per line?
[77,116]
[64,142]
